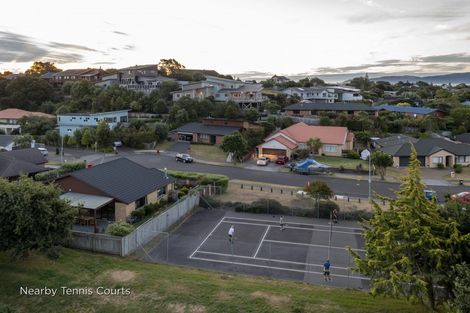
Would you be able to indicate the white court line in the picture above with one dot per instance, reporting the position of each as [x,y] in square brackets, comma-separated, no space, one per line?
[312,245]
[293,227]
[271,260]
[294,223]
[205,239]
[277,268]
[261,242]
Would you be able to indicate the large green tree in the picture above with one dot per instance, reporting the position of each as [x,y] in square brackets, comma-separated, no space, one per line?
[39,68]
[235,144]
[410,248]
[169,66]
[103,135]
[33,217]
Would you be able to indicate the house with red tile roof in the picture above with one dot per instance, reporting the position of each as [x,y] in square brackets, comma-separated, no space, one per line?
[335,140]
[9,118]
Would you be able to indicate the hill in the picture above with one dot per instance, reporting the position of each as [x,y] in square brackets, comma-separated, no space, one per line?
[454,79]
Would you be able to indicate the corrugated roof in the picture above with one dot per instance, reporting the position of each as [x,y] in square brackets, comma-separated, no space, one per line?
[411,110]
[86,201]
[123,179]
[207,129]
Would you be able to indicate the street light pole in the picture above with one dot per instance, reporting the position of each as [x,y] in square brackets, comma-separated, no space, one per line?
[62,149]
[329,235]
[370,179]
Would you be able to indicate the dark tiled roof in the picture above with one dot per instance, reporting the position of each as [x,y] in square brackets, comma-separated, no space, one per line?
[395,140]
[29,155]
[15,164]
[411,110]
[207,129]
[428,146]
[465,138]
[325,106]
[123,179]
[5,140]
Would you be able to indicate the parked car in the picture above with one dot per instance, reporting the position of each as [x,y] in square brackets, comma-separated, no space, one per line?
[282,159]
[429,194]
[117,144]
[184,157]
[263,161]
[463,197]
[43,151]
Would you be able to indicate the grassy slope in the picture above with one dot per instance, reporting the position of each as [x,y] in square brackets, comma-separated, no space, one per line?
[338,161]
[207,152]
[162,288]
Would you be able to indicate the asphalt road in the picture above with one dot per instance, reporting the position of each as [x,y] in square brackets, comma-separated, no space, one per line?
[354,188]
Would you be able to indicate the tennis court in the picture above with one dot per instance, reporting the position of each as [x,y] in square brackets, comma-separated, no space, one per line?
[298,252]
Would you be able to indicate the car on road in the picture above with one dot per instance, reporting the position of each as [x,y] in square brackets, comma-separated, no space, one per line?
[117,144]
[43,151]
[184,157]
[282,160]
[462,197]
[263,161]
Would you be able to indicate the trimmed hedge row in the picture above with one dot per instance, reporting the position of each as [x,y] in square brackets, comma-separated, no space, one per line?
[274,207]
[149,209]
[202,178]
[64,169]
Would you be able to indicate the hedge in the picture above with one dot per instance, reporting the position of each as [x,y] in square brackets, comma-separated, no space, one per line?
[202,178]
[120,229]
[64,169]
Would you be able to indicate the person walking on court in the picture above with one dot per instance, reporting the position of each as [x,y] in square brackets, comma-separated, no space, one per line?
[281,222]
[335,216]
[326,270]
[231,231]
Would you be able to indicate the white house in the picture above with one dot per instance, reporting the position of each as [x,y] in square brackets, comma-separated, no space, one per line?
[69,122]
[325,94]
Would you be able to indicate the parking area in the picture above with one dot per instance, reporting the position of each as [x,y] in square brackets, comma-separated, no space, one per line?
[260,247]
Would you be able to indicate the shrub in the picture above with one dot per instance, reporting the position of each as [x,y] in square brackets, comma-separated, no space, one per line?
[120,229]
[183,191]
[440,166]
[357,215]
[359,167]
[64,169]
[352,154]
[341,169]
[458,168]
[138,213]
[202,178]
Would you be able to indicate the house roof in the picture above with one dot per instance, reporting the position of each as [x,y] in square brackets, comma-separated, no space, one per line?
[6,140]
[411,110]
[286,142]
[302,132]
[207,129]
[13,164]
[86,201]
[30,155]
[428,146]
[395,140]
[123,179]
[465,138]
[15,114]
[325,106]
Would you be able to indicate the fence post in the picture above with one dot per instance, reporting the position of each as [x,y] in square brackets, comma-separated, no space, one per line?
[241,186]
[359,200]
[261,188]
[251,187]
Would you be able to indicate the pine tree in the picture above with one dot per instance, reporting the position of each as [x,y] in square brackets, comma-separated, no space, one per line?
[410,248]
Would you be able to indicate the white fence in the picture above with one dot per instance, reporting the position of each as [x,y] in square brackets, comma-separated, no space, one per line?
[140,236]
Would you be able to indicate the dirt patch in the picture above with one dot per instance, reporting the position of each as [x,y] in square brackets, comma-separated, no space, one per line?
[224,296]
[122,276]
[272,299]
[176,307]
[197,308]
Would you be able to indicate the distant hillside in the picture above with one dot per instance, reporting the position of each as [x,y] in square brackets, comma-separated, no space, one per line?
[454,79]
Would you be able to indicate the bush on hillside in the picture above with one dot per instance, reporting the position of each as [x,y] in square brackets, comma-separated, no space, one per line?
[120,229]
[352,154]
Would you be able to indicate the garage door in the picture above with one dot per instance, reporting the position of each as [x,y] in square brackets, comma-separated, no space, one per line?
[404,161]
[273,153]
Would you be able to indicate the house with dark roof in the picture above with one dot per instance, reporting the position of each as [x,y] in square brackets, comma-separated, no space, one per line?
[129,186]
[313,108]
[280,79]
[393,140]
[210,130]
[23,161]
[411,111]
[431,152]
[7,142]
[464,138]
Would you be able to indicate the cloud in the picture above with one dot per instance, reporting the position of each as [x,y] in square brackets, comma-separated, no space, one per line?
[447,58]
[103,63]
[19,48]
[120,33]
[129,47]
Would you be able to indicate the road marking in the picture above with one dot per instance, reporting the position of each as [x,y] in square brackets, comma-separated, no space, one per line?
[261,242]
[212,231]
[277,268]
[294,223]
[312,245]
[293,227]
[271,260]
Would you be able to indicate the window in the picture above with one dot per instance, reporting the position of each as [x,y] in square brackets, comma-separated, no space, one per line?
[437,160]
[203,136]
[330,148]
[140,202]
[462,159]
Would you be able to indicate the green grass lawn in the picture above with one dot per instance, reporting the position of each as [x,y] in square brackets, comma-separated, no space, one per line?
[345,162]
[164,288]
[162,146]
[207,152]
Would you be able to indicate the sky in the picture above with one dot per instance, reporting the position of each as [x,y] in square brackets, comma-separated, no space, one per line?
[242,37]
